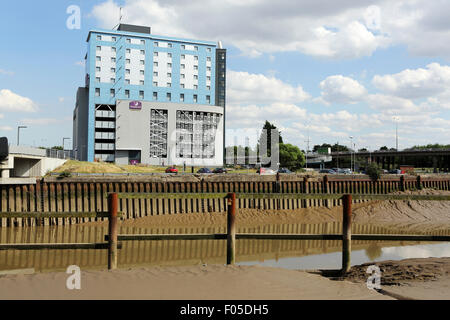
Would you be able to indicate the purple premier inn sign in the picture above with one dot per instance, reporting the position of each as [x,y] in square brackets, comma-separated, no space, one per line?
[135,105]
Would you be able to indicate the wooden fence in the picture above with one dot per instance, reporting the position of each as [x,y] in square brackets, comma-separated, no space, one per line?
[230,236]
[73,196]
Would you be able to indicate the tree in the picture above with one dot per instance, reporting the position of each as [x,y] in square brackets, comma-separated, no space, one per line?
[268,127]
[373,170]
[291,157]
[334,148]
[384,148]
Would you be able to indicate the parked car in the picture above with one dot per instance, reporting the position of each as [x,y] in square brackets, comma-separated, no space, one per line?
[265,171]
[204,170]
[329,171]
[396,171]
[284,170]
[171,170]
[220,170]
[346,171]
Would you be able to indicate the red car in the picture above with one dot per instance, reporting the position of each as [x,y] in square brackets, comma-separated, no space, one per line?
[171,170]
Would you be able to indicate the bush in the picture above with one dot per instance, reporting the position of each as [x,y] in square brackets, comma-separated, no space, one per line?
[373,171]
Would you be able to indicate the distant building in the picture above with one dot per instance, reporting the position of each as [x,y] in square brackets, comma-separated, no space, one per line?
[150,99]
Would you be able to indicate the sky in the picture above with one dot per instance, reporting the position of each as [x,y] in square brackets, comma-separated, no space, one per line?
[321,71]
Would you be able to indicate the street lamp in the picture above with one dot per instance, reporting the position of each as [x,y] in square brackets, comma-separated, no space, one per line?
[18,132]
[396,119]
[351,153]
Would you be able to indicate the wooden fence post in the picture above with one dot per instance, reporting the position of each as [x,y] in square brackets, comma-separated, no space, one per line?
[325,190]
[419,183]
[112,229]
[231,228]
[346,232]
[402,183]
[278,189]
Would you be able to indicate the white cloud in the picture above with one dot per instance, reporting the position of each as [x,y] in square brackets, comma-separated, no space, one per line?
[42,121]
[6,128]
[418,83]
[6,72]
[244,87]
[341,90]
[9,101]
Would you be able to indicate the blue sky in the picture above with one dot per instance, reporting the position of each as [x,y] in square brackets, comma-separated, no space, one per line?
[316,69]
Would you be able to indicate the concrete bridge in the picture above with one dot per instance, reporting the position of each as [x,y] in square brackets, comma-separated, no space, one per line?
[391,159]
[24,164]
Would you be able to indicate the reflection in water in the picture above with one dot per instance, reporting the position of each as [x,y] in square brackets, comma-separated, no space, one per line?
[282,253]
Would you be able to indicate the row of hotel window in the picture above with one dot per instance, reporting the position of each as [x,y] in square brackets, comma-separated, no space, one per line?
[155,95]
[155,54]
[155,64]
[155,43]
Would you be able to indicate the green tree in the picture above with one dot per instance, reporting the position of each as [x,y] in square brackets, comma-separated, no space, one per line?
[384,148]
[291,157]
[373,170]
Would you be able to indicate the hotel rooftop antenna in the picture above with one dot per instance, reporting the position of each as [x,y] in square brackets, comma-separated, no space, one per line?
[120,18]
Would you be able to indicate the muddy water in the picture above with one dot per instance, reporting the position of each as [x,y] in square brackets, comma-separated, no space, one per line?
[295,254]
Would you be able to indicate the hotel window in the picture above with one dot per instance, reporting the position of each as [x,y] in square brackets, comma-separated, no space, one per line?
[183,56]
[183,47]
[195,48]
[208,59]
[222,56]
[127,71]
[141,82]
[182,97]
[113,80]
[208,78]
[142,62]
[195,58]
[182,66]
[169,55]
[195,77]
[195,87]
[208,49]
[155,95]
[142,51]
[113,60]
[128,50]
[169,85]
[195,98]
[182,76]
[182,85]
[142,41]
[155,64]
[127,93]
[208,87]
[155,83]
[169,96]
[113,49]
[141,94]
[169,75]
[155,54]
[98,58]
[127,81]
[169,65]
[99,37]
[169,45]
[208,99]
[112,93]
[195,67]
[155,73]
[113,70]
[113,39]
[156,44]
[208,68]
[128,40]
[98,69]
[127,61]
[97,92]
[97,79]
[141,72]
[99,48]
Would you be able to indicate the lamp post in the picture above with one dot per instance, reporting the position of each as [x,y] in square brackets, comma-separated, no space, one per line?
[64,139]
[351,153]
[396,119]
[18,133]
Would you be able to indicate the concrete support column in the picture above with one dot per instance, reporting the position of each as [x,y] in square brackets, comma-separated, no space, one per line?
[5,173]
